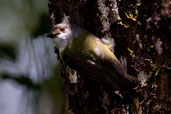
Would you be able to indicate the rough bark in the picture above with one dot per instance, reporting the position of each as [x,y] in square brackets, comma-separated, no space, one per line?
[141,31]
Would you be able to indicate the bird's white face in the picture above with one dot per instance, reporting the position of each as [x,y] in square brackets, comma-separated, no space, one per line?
[62,31]
[61,35]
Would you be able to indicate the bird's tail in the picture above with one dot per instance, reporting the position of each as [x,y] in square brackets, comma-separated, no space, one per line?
[131,78]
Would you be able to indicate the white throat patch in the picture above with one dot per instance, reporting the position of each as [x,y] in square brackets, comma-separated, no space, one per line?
[60,43]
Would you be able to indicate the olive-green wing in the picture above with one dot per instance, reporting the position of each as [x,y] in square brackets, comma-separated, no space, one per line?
[106,57]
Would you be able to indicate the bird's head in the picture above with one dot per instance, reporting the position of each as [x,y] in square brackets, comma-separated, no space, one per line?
[60,31]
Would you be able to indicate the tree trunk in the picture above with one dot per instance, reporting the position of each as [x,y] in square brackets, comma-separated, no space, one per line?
[141,32]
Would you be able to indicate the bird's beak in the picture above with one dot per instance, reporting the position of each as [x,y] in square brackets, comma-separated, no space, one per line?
[51,35]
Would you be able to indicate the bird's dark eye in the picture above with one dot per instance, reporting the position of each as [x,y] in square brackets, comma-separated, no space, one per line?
[62,29]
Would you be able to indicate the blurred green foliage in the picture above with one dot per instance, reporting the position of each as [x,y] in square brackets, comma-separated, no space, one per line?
[20,19]
[42,26]
[7,51]
[22,80]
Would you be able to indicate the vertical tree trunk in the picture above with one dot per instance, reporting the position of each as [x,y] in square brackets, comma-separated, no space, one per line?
[141,31]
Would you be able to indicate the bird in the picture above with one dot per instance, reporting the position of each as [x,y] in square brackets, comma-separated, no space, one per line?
[89,56]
